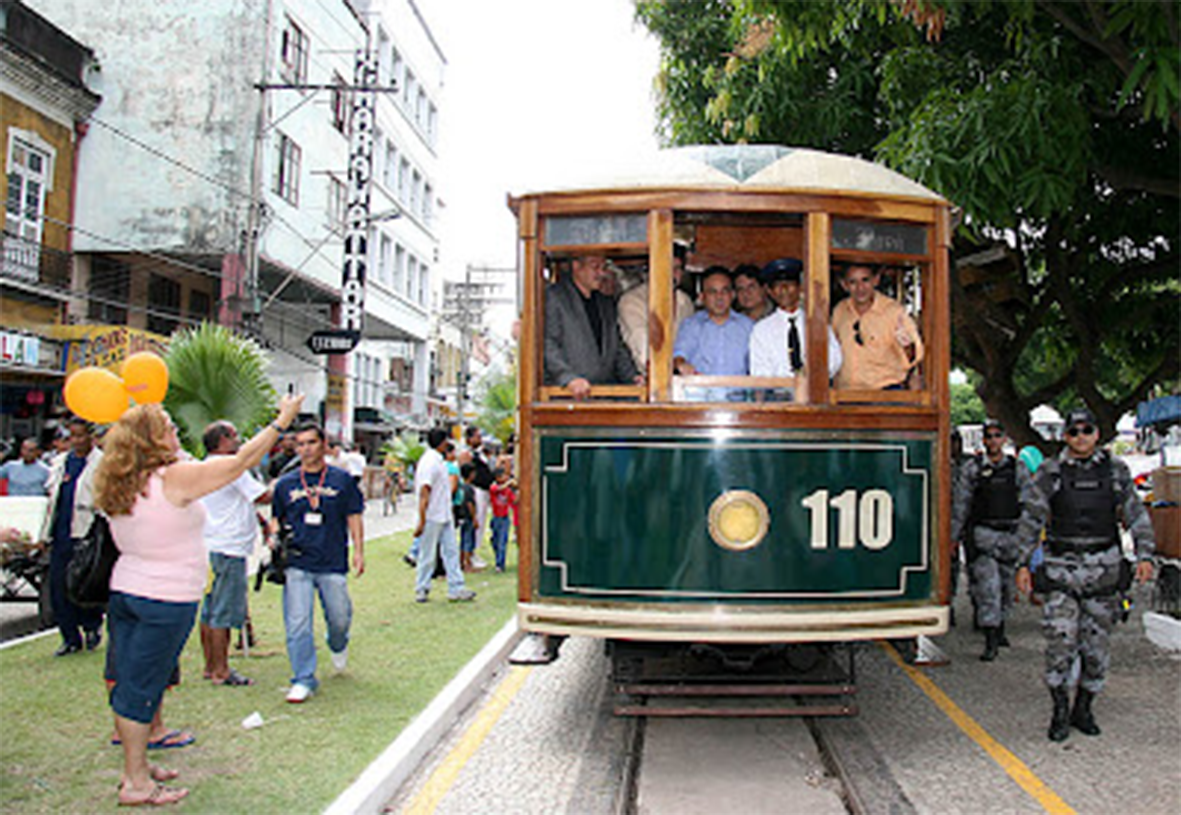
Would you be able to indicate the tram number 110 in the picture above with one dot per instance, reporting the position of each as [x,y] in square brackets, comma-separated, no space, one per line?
[868,518]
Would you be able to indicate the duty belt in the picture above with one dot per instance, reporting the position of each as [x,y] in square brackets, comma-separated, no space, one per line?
[999,526]
[1058,547]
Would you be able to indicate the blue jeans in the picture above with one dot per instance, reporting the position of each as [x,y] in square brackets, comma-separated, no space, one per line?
[500,538]
[467,537]
[150,636]
[298,608]
[438,536]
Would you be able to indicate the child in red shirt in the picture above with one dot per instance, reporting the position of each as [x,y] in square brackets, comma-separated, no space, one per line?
[504,501]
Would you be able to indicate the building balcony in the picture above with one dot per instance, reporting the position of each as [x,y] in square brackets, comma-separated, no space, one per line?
[34,267]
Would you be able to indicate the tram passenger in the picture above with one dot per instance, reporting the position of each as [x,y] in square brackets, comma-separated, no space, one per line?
[1078,497]
[989,493]
[751,292]
[714,341]
[633,310]
[778,344]
[583,346]
[880,341]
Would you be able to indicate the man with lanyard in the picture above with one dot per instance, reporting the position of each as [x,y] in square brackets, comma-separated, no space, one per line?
[436,522]
[71,511]
[322,507]
[778,344]
[989,494]
[1078,497]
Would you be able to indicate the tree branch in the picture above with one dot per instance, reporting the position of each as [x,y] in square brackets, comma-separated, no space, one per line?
[1122,179]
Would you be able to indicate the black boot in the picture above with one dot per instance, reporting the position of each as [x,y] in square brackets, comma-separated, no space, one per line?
[1001,639]
[1060,724]
[991,645]
[1081,716]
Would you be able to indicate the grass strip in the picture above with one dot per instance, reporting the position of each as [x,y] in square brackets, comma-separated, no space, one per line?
[55,747]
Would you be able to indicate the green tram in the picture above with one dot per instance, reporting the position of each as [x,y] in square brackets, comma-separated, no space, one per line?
[736,510]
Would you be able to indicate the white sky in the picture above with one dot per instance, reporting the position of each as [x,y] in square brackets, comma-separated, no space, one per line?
[531,86]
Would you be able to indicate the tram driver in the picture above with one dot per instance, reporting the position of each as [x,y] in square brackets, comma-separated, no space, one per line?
[583,344]
[778,344]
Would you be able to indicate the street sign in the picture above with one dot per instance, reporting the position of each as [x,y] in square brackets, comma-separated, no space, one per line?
[339,341]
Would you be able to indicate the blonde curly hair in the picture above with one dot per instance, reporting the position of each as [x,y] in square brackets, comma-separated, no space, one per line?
[136,446]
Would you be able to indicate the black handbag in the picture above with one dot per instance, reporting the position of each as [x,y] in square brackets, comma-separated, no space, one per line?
[88,575]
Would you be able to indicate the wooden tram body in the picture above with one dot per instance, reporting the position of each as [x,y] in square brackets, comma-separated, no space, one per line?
[822,517]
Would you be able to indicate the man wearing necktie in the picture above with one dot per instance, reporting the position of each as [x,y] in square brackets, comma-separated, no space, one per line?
[778,344]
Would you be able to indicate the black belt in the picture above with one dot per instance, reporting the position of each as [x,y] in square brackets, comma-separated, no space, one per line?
[1057,547]
[999,526]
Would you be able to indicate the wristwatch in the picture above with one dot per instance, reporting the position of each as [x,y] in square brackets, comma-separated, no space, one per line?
[278,429]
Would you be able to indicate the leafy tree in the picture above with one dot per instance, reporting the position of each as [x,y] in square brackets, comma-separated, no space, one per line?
[498,405]
[404,449]
[966,406]
[215,374]
[1052,124]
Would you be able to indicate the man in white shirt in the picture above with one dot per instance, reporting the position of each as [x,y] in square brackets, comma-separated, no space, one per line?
[436,522]
[779,343]
[231,529]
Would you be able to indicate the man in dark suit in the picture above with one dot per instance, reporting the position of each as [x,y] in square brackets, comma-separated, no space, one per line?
[583,346]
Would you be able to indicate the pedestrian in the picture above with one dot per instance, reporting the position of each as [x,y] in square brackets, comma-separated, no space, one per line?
[230,533]
[504,498]
[321,507]
[151,497]
[465,516]
[478,456]
[990,492]
[1078,498]
[71,511]
[436,522]
[26,476]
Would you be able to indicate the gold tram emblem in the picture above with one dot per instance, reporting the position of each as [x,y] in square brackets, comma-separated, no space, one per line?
[738,520]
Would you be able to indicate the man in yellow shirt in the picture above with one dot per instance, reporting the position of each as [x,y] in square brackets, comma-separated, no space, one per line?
[879,340]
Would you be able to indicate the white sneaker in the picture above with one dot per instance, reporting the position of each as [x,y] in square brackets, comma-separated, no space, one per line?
[478,563]
[299,693]
[340,660]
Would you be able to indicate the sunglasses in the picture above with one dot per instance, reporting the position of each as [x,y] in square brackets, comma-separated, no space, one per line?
[994,435]
[857,338]
[1085,430]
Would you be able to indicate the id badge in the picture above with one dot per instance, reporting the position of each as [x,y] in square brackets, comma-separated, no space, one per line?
[312,519]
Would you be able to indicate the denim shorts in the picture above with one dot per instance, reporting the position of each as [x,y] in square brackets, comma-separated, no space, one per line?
[149,636]
[225,602]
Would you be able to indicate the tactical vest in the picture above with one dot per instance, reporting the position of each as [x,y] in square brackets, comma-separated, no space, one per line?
[1083,508]
[995,500]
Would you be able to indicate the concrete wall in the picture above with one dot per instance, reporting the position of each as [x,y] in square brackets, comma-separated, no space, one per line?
[177,78]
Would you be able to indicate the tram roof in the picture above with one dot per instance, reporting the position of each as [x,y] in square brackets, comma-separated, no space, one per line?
[745,167]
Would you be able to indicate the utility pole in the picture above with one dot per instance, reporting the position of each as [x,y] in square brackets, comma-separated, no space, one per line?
[464,305]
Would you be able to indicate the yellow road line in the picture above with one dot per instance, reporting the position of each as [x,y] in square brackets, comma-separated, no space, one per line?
[1008,762]
[441,780]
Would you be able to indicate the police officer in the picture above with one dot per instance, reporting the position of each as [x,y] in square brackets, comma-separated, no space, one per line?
[1079,498]
[989,495]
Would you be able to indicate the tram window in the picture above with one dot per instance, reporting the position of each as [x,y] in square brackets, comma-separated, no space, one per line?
[584,355]
[878,319]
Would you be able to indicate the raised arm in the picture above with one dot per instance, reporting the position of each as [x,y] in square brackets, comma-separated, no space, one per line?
[185,482]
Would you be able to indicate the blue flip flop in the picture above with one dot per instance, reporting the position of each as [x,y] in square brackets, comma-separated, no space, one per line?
[169,741]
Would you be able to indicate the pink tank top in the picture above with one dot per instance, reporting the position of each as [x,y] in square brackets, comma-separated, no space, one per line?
[161,549]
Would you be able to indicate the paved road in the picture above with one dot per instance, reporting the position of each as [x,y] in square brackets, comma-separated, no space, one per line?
[20,618]
[961,745]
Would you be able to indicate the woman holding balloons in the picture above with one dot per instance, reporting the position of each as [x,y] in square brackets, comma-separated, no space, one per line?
[150,497]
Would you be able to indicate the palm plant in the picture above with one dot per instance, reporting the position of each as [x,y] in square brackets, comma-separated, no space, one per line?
[216,374]
[498,414]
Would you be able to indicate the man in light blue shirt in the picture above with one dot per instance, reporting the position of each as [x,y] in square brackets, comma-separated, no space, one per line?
[26,476]
[716,341]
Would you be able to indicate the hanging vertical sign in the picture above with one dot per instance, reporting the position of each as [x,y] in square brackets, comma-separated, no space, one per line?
[356,237]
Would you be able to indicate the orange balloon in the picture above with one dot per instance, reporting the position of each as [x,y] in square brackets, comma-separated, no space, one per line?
[145,376]
[96,395]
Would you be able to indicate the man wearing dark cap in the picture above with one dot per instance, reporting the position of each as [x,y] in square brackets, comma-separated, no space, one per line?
[989,494]
[1078,498]
[779,344]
